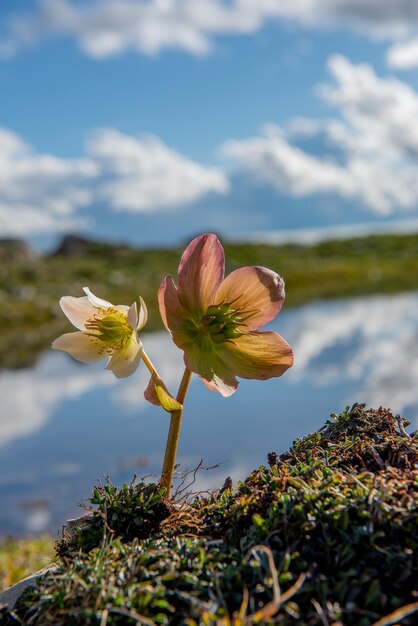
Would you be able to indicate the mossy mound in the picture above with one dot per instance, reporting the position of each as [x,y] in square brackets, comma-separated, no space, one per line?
[327,533]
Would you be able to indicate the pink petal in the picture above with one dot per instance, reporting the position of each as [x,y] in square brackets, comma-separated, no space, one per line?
[82,347]
[201,358]
[258,355]
[172,312]
[201,271]
[256,291]
[150,394]
[78,310]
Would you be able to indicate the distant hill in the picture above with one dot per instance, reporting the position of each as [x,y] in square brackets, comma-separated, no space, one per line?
[31,284]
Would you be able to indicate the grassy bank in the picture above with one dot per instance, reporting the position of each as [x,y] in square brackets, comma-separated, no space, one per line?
[327,533]
[20,558]
[31,285]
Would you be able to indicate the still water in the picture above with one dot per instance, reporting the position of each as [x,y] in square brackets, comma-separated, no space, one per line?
[64,425]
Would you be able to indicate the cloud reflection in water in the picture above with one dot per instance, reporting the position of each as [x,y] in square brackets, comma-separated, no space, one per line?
[64,425]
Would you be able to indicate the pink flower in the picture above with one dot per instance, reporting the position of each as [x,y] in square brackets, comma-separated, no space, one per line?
[215,320]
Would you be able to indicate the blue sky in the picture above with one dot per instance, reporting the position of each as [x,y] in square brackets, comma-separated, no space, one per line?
[150,121]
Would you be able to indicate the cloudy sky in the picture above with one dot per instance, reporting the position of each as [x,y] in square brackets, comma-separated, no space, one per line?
[151,120]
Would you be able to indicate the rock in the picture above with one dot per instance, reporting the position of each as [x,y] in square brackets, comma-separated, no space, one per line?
[9,597]
[16,250]
[72,245]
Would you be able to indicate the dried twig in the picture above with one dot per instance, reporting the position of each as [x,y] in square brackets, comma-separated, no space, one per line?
[397,615]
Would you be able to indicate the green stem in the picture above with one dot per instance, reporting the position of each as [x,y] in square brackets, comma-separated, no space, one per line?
[155,375]
[173,435]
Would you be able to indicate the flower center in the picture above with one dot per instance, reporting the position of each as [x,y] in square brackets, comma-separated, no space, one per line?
[110,326]
[221,322]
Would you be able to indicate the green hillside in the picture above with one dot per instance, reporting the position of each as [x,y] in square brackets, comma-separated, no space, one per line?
[31,284]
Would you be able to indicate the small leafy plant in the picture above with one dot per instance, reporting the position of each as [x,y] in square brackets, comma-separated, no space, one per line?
[213,319]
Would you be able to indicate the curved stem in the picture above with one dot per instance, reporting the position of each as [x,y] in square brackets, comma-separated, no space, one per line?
[173,435]
[155,375]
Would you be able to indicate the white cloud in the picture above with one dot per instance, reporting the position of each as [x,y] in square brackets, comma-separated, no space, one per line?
[371,342]
[272,159]
[141,174]
[51,194]
[30,396]
[106,28]
[42,190]
[404,55]
[33,395]
[369,153]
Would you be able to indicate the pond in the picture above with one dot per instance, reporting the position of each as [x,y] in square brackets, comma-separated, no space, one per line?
[65,425]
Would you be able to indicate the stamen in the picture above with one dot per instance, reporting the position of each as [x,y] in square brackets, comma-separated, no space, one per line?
[110,327]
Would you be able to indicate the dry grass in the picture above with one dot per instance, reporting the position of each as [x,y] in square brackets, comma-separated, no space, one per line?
[21,557]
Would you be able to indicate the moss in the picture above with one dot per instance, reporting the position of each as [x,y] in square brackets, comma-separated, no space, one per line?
[330,525]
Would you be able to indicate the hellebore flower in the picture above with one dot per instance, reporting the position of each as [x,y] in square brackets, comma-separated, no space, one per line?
[215,320]
[105,331]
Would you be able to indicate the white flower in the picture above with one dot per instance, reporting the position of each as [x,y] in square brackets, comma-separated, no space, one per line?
[105,331]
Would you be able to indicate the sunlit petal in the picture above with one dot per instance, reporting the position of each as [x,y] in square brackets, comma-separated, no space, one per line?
[142,315]
[225,386]
[81,346]
[95,301]
[201,271]
[256,291]
[123,308]
[172,311]
[205,361]
[215,321]
[133,316]
[124,362]
[259,355]
[78,310]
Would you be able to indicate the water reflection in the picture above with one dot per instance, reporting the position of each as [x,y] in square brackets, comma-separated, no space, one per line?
[64,425]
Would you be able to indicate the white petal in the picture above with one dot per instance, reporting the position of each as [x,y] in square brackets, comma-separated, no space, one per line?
[124,362]
[95,301]
[81,346]
[78,310]
[122,308]
[143,314]
[133,316]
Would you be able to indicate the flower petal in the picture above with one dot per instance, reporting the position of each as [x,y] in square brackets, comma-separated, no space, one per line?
[95,301]
[123,308]
[81,346]
[150,394]
[158,394]
[201,271]
[133,316]
[202,358]
[259,355]
[142,314]
[78,310]
[256,291]
[225,386]
[172,312]
[124,362]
